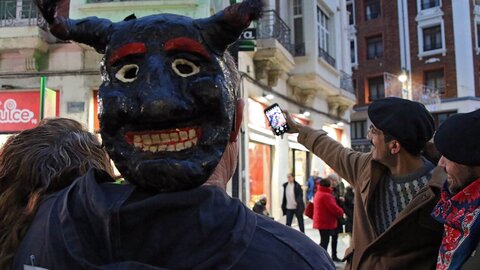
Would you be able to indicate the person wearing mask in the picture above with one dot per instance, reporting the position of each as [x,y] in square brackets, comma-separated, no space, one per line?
[170,119]
[459,208]
[292,202]
[395,187]
[326,213]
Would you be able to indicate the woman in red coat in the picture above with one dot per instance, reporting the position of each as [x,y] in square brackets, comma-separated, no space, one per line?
[326,212]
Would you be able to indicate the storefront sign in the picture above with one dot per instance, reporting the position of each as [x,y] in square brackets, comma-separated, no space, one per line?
[19,110]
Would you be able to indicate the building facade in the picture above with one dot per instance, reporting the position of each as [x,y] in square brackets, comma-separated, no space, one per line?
[296,56]
[424,50]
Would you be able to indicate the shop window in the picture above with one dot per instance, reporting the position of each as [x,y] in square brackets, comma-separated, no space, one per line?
[426,4]
[372,9]
[299,165]
[374,47]
[435,79]
[299,39]
[260,170]
[351,13]
[432,38]
[440,117]
[358,130]
[376,88]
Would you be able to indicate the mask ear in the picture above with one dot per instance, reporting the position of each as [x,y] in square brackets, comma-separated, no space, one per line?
[237,119]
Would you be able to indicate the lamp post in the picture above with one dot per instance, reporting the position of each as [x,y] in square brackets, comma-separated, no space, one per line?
[403,78]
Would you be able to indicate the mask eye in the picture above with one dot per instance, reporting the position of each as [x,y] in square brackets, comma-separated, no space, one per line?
[184,68]
[127,73]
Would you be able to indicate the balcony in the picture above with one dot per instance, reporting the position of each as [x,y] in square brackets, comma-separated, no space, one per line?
[22,38]
[327,57]
[274,50]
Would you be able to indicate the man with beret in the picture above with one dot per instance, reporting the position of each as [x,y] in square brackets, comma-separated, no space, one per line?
[394,187]
[459,207]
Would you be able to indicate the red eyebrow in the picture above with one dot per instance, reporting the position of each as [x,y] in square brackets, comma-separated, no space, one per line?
[125,50]
[186,44]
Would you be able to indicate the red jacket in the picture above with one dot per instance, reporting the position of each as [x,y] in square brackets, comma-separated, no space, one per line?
[326,211]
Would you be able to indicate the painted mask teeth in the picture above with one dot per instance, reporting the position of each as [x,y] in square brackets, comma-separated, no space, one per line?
[172,140]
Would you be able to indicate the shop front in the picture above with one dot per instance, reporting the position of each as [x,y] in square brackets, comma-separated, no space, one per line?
[20,109]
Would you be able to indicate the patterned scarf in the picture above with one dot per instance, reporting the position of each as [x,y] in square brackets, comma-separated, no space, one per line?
[460,215]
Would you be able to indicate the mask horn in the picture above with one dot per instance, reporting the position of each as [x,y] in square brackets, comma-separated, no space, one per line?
[91,31]
[224,28]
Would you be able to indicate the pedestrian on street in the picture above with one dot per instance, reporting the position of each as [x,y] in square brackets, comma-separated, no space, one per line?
[326,214]
[459,208]
[260,206]
[394,188]
[338,189]
[311,183]
[292,202]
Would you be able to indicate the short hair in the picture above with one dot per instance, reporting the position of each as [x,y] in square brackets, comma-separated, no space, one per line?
[37,162]
[325,182]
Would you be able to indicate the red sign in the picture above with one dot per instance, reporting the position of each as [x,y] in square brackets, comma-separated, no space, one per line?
[19,110]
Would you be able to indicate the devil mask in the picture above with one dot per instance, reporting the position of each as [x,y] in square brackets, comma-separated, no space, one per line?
[167,97]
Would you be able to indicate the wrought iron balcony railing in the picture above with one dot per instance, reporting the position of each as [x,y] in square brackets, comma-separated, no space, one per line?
[20,13]
[272,26]
[346,82]
[324,54]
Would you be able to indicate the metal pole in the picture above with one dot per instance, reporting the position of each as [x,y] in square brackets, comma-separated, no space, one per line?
[42,96]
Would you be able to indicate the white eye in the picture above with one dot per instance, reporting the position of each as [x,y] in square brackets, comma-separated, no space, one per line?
[184,68]
[127,73]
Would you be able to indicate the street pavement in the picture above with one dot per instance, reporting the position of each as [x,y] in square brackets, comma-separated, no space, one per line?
[343,239]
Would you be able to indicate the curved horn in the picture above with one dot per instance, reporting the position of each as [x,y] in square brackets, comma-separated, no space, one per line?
[92,31]
[224,28]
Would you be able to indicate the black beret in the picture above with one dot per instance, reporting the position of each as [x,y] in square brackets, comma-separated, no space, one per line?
[407,121]
[457,138]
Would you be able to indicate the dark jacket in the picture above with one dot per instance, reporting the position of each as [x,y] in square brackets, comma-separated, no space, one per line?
[97,225]
[412,240]
[297,189]
[473,262]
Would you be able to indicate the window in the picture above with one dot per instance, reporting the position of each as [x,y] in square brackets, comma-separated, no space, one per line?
[374,47]
[299,40]
[323,23]
[15,10]
[432,38]
[478,34]
[435,79]
[440,117]
[351,14]
[376,89]
[476,2]
[353,52]
[372,9]
[426,4]
[358,130]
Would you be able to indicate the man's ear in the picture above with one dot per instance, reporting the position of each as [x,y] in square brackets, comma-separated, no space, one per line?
[237,121]
[396,146]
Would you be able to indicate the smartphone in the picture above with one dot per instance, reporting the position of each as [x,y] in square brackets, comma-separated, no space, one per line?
[277,119]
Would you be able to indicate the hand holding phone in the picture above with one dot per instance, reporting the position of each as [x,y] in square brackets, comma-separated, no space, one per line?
[277,119]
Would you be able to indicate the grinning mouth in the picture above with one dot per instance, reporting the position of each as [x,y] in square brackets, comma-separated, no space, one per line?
[171,140]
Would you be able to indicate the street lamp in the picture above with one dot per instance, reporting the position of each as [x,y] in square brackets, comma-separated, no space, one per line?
[403,77]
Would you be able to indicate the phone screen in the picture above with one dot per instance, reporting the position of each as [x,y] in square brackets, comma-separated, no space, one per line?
[276,119]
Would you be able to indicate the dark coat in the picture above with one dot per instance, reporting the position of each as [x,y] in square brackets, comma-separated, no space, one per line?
[98,225]
[473,262]
[411,241]
[297,189]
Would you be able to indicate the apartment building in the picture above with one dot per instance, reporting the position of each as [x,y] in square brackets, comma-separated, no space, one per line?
[424,50]
[296,56]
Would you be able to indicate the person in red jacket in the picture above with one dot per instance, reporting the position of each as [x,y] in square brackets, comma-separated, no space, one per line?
[326,212]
